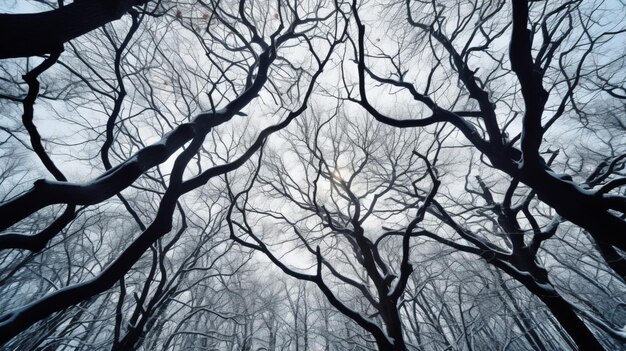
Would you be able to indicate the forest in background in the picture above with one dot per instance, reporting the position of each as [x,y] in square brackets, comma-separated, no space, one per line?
[304,175]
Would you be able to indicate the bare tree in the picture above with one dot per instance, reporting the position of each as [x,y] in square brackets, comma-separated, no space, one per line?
[241,37]
[339,180]
[530,79]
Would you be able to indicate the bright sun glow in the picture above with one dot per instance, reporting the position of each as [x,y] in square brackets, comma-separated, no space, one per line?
[337,175]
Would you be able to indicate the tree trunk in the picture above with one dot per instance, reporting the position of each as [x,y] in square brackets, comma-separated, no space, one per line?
[573,325]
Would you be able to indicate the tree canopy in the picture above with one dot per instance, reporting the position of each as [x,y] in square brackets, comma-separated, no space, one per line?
[312,175]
